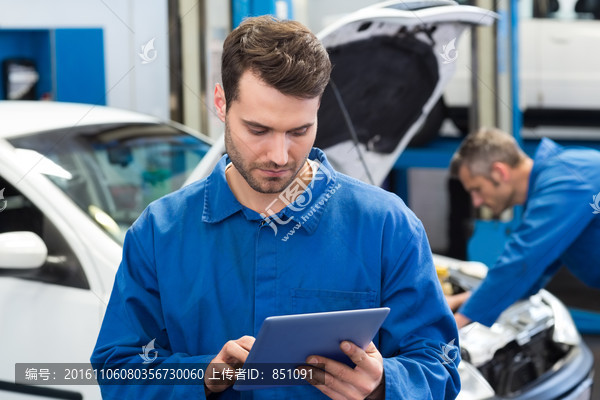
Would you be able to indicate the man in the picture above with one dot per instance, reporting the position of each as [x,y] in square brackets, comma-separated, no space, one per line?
[558,225]
[274,230]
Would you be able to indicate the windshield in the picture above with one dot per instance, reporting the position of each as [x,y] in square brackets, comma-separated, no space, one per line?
[112,172]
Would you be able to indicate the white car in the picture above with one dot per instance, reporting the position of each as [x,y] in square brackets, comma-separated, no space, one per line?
[72,180]
[532,351]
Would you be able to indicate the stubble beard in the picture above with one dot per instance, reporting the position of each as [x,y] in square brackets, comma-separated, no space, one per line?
[268,185]
[505,203]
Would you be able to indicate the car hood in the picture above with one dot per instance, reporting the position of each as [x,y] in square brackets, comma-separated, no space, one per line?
[391,62]
[532,351]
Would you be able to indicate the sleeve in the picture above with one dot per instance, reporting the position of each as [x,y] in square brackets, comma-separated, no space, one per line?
[557,212]
[419,339]
[134,318]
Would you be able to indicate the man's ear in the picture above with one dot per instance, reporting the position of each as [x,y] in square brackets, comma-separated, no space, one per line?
[220,102]
[500,171]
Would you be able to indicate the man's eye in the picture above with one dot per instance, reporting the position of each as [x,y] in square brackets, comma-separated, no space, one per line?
[257,131]
[300,132]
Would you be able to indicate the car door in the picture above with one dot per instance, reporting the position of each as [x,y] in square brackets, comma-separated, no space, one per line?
[50,314]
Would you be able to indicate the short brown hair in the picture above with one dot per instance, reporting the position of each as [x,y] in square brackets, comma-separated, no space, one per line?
[284,54]
[479,150]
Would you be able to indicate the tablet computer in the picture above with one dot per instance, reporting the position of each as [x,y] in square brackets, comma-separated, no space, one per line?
[284,342]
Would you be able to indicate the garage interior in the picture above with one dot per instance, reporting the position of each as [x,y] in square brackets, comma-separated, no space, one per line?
[162,58]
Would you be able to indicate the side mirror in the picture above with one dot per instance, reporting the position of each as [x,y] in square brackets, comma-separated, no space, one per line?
[22,250]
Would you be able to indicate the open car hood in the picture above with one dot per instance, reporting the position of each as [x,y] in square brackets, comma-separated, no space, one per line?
[391,63]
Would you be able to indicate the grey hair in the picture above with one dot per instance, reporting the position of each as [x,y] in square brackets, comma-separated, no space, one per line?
[479,150]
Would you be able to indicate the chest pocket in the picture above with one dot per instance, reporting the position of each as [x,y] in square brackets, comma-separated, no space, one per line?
[316,300]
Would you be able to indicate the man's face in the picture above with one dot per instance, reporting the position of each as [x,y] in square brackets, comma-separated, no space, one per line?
[494,192]
[268,135]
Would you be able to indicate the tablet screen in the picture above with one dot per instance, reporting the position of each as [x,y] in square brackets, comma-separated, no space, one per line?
[284,342]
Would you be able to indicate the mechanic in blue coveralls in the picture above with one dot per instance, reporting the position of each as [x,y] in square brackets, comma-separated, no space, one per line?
[274,230]
[559,189]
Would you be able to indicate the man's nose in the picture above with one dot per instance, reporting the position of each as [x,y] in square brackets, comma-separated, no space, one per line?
[477,200]
[278,151]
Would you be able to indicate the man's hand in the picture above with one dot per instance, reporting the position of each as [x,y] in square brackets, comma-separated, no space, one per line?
[366,380]
[231,356]
[461,320]
[457,300]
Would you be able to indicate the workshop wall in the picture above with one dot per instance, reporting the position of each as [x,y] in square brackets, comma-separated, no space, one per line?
[134,46]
